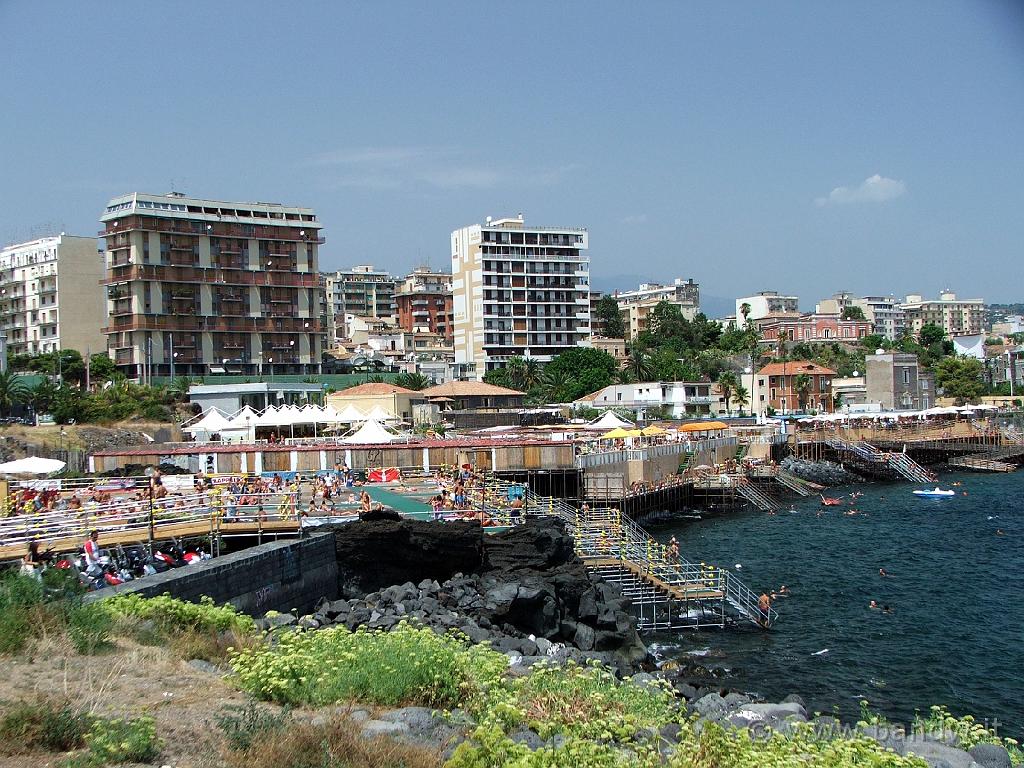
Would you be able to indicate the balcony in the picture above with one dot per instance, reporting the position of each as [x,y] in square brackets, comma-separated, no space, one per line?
[210,275]
[121,307]
[124,357]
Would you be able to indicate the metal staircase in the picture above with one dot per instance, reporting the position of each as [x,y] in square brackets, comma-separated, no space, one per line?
[991,460]
[798,485]
[667,591]
[755,495]
[870,457]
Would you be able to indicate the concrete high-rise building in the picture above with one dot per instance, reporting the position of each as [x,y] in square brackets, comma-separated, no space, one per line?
[957,317]
[635,306]
[50,296]
[518,290]
[202,286]
[361,291]
[766,303]
[424,301]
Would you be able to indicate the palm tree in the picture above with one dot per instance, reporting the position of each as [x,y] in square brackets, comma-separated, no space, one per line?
[12,391]
[531,372]
[556,385]
[741,396]
[728,383]
[624,376]
[802,385]
[415,381]
[638,363]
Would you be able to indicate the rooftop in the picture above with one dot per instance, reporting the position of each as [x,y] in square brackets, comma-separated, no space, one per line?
[375,388]
[795,368]
[468,389]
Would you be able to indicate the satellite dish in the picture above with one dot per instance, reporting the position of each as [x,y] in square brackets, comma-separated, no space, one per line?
[879,351]
[856,373]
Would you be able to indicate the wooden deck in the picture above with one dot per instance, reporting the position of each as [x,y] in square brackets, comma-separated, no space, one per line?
[161,532]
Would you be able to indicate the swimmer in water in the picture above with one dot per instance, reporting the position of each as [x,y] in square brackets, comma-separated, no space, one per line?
[999,532]
[873,605]
[882,572]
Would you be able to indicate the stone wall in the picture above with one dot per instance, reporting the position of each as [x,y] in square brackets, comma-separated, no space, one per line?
[280,576]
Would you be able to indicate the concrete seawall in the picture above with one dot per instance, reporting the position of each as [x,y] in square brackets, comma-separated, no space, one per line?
[280,576]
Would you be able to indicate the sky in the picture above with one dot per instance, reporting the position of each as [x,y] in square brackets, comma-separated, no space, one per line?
[803,147]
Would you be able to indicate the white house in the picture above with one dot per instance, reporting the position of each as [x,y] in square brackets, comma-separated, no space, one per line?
[684,399]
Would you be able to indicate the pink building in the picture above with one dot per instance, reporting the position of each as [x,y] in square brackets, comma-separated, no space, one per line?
[813,327]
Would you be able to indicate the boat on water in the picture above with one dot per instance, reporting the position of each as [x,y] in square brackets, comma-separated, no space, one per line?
[829,501]
[936,493]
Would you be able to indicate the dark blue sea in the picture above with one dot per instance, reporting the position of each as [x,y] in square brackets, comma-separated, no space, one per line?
[955,635]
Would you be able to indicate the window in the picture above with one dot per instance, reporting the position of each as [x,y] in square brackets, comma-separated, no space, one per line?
[906,375]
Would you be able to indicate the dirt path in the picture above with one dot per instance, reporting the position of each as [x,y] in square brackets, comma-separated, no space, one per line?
[128,680]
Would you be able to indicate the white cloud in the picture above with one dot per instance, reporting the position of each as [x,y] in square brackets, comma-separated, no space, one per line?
[874,189]
[438,167]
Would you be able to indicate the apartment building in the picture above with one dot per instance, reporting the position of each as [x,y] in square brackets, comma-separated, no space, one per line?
[203,286]
[518,290]
[886,314]
[896,381]
[765,303]
[635,306]
[957,317]
[50,297]
[362,291]
[423,300]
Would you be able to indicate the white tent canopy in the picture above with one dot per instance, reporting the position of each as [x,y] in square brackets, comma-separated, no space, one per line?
[213,421]
[32,465]
[370,432]
[351,414]
[377,413]
[609,420]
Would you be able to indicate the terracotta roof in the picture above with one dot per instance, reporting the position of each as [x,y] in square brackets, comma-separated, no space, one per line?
[591,397]
[375,388]
[794,368]
[468,389]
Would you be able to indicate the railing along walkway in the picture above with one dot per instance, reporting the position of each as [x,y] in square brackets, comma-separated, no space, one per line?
[606,537]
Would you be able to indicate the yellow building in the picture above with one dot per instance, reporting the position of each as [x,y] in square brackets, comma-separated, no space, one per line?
[380,401]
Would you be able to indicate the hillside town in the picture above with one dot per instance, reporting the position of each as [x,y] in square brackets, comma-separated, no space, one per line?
[182,292]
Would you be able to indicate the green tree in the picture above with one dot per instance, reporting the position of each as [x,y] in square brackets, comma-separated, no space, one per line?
[606,310]
[741,396]
[587,368]
[873,341]
[727,382]
[67,363]
[802,385]
[853,313]
[558,385]
[960,377]
[638,363]
[931,334]
[415,381]
[101,368]
[12,391]
[41,396]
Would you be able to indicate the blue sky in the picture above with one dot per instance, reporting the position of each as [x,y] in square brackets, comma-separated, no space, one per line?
[803,147]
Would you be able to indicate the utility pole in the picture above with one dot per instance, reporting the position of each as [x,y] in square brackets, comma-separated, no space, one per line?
[88,356]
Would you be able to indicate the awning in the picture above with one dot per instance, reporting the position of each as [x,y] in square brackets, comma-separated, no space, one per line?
[705,426]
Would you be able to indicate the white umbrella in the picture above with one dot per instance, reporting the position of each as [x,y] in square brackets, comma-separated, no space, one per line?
[609,420]
[370,432]
[351,414]
[379,414]
[32,465]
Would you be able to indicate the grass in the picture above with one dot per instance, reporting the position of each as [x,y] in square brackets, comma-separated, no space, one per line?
[47,725]
[334,744]
[32,608]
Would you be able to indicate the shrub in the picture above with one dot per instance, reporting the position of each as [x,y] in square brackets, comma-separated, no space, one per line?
[243,726]
[968,731]
[53,726]
[405,666]
[118,741]
[89,627]
[173,615]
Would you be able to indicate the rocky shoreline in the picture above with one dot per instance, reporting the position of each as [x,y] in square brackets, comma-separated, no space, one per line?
[526,594]
[825,473]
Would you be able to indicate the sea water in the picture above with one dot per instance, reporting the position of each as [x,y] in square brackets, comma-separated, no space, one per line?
[955,589]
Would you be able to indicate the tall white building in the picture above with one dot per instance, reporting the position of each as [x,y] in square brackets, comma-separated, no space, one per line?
[361,291]
[50,296]
[518,290]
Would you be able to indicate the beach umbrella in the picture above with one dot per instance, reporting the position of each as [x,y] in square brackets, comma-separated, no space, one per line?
[654,429]
[616,434]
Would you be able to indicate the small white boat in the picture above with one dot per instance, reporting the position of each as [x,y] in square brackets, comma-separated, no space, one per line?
[935,493]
